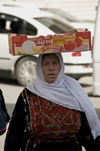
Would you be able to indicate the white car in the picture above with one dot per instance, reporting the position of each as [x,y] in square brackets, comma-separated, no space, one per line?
[34,23]
[74,21]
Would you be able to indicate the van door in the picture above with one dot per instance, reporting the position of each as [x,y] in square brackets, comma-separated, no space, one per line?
[96,55]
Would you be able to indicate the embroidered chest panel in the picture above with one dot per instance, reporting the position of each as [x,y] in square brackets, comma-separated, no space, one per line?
[49,120]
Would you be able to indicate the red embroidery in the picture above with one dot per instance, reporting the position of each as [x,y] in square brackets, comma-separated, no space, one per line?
[49,120]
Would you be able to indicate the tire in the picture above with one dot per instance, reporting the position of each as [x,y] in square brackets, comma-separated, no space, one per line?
[25,70]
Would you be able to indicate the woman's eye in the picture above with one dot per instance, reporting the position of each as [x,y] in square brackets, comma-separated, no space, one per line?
[54,62]
[45,64]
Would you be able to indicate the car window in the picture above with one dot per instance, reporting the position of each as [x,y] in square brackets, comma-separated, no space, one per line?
[27,29]
[13,24]
[55,25]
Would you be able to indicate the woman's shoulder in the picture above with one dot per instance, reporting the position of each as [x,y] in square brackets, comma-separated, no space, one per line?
[72,82]
[28,93]
[71,79]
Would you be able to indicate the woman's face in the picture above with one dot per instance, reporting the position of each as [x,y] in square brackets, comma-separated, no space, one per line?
[50,67]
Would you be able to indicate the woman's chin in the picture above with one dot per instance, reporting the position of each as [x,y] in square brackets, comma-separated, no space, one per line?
[50,80]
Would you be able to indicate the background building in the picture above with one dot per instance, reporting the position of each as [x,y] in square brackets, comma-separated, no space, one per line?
[82,9]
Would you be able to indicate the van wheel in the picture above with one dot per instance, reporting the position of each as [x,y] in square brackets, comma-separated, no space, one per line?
[25,70]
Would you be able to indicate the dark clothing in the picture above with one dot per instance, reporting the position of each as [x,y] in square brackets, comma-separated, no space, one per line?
[3,105]
[40,125]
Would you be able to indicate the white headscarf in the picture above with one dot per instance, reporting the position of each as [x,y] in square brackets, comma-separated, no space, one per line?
[67,92]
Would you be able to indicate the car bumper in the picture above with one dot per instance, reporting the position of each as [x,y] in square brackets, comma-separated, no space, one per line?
[78,71]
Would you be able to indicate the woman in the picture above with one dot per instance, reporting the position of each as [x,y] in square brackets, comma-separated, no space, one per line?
[3,114]
[53,113]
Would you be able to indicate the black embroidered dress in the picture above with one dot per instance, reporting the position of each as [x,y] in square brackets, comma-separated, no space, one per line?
[40,125]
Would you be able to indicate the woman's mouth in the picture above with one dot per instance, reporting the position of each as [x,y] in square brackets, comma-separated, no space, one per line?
[51,74]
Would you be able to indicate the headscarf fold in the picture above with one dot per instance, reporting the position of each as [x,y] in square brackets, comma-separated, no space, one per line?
[66,92]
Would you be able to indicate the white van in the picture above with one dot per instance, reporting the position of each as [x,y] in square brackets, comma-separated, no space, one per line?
[96,55]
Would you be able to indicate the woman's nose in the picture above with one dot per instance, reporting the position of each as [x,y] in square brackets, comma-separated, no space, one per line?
[51,66]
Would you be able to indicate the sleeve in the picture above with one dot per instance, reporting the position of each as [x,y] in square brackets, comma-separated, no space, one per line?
[3,105]
[87,140]
[16,127]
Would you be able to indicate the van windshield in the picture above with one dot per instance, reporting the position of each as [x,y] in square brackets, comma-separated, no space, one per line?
[54,24]
[62,13]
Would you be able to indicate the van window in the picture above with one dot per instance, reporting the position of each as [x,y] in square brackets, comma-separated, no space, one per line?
[62,14]
[55,25]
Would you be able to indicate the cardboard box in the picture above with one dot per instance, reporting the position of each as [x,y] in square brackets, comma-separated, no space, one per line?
[22,45]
